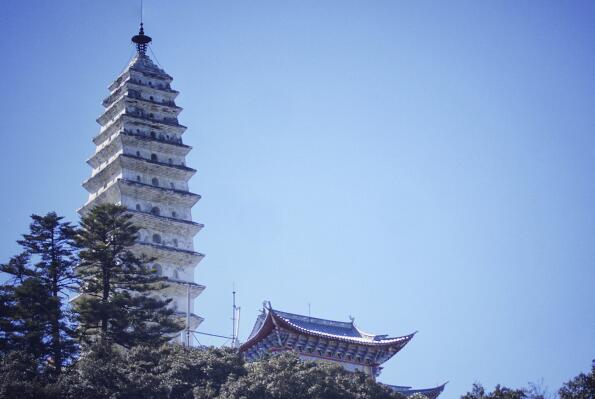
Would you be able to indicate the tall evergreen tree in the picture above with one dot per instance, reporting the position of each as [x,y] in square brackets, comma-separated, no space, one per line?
[119,302]
[42,279]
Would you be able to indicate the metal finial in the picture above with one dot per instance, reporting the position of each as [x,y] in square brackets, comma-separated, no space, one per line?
[141,40]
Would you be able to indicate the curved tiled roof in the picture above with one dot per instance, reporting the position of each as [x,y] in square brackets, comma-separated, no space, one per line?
[338,330]
[335,329]
[430,393]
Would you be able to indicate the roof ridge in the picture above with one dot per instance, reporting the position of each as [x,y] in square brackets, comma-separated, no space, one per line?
[311,318]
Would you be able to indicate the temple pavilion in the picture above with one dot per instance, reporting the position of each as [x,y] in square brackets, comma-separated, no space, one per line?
[341,342]
[140,163]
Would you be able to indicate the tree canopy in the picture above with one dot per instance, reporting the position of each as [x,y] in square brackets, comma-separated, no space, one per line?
[580,387]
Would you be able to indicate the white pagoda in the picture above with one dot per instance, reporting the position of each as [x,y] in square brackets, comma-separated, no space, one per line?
[139,162]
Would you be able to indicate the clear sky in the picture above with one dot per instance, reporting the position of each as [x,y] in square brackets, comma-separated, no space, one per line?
[418,165]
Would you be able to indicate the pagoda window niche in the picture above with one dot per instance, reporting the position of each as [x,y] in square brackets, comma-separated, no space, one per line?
[156,238]
[174,214]
[155,182]
[153,135]
[138,207]
[154,157]
[155,211]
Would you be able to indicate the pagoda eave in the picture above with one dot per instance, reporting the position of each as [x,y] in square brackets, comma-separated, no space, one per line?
[158,124]
[195,320]
[169,254]
[157,194]
[162,145]
[165,223]
[168,106]
[181,287]
[156,168]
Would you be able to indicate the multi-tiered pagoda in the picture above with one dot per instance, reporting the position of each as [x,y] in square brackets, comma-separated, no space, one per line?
[319,339]
[140,163]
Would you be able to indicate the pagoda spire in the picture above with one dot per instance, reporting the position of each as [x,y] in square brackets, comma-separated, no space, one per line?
[141,40]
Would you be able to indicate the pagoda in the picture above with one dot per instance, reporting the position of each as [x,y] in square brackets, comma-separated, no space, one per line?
[139,163]
[340,342]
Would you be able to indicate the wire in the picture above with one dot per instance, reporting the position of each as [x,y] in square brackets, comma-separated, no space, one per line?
[154,56]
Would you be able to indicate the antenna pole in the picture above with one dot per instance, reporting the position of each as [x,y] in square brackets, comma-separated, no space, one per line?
[233,320]
[141,11]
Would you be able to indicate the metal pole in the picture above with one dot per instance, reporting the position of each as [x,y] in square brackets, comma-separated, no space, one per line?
[188,315]
[238,325]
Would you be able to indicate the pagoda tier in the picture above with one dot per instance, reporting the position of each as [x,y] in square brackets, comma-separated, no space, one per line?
[146,127]
[144,144]
[312,338]
[122,187]
[166,171]
[163,223]
[139,162]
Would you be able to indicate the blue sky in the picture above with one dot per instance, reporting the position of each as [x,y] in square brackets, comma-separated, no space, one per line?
[418,165]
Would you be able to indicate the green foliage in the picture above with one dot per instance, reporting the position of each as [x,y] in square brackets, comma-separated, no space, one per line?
[534,391]
[170,371]
[500,392]
[286,376]
[580,387]
[115,305]
[37,320]
[23,319]
[176,372]
[21,378]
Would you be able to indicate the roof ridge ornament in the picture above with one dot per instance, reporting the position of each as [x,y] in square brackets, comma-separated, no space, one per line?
[141,40]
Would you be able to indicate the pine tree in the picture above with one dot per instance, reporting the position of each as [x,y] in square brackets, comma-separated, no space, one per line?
[119,302]
[37,294]
[50,241]
[24,306]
